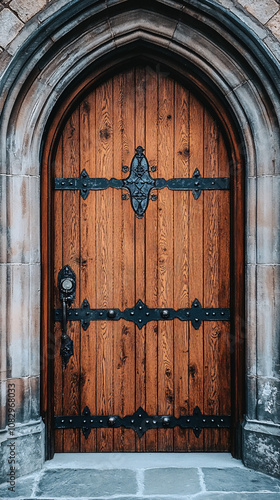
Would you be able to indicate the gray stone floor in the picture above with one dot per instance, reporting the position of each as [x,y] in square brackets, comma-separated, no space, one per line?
[144,476]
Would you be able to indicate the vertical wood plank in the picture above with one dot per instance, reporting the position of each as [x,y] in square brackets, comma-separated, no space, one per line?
[140,257]
[58,264]
[195,222]
[104,249]
[165,257]
[124,260]
[151,255]
[88,267]
[71,256]
[212,331]
[181,263]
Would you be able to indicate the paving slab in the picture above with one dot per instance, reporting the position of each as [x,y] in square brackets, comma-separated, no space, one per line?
[171,481]
[238,496]
[239,480]
[86,483]
[23,488]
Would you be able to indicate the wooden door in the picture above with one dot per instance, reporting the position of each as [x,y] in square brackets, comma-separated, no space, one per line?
[177,252]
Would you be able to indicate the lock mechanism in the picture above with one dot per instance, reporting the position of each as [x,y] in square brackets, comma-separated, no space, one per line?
[67,294]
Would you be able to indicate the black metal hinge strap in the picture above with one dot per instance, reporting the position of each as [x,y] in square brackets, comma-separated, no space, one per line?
[141,314]
[139,183]
[141,422]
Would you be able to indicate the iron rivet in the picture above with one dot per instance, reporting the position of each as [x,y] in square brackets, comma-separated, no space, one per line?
[100,314]
[166,421]
[196,320]
[187,313]
[85,184]
[188,420]
[125,168]
[203,420]
[76,314]
[164,313]
[140,428]
[111,421]
[153,169]
[85,421]
[212,420]
[140,307]
[71,183]
[196,183]
[88,313]
[62,421]
[213,182]
[207,313]
[222,313]
[111,313]
[132,420]
[69,313]
[147,314]
[195,304]
[154,422]
[131,313]
[101,421]
[70,420]
[196,189]
[62,183]
[139,415]
[222,419]
[147,421]
[140,320]
[153,197]
[213,314]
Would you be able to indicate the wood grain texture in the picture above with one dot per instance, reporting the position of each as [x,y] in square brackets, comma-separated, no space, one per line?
[179,251]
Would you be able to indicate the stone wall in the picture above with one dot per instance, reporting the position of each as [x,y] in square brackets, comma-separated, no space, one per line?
[248,80]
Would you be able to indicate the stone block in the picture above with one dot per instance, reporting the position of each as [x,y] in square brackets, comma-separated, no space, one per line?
[3,402]
[268,403]
[29,450]
[251,397]
[87,483]
[23,488]
[263,10]
[34,209]
[274,24]
[268,220]
[11,26]
[171,481]
[261,447]
[267,319]
[18,219]
[19,315]
[139,19]
[236,479]
[25,9]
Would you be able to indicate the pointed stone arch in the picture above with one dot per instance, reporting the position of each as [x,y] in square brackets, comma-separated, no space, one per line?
[219,53]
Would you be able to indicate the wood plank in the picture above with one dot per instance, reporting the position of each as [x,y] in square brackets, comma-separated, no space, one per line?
[124,260]
[165,257]
[88,267]
[181,263]
[151,256]
[71,257]
[58,264]
[140,256]
[104,261]
[212,331]
[195,366]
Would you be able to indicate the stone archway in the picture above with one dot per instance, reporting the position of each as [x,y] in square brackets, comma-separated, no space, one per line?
[224,54]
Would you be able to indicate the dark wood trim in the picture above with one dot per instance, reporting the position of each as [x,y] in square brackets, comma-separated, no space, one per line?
[237,237]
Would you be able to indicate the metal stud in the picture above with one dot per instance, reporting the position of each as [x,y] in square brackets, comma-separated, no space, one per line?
[165,313]
[111,313]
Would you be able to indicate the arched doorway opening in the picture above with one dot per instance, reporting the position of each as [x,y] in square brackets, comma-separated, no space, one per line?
[185,250]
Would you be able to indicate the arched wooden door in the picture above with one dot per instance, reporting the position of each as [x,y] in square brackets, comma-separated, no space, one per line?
[153,375]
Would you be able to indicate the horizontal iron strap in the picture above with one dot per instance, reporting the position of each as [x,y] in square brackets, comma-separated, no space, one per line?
[140,314]
[183,184]
[140,421]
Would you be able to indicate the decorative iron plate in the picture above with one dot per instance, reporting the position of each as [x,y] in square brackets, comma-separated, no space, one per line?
[141,422]
[141,314]
[139,183]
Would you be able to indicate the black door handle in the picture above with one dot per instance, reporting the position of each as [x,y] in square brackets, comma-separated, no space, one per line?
[67,294]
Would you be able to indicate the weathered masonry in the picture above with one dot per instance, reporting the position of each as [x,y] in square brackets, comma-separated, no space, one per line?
[140,229]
